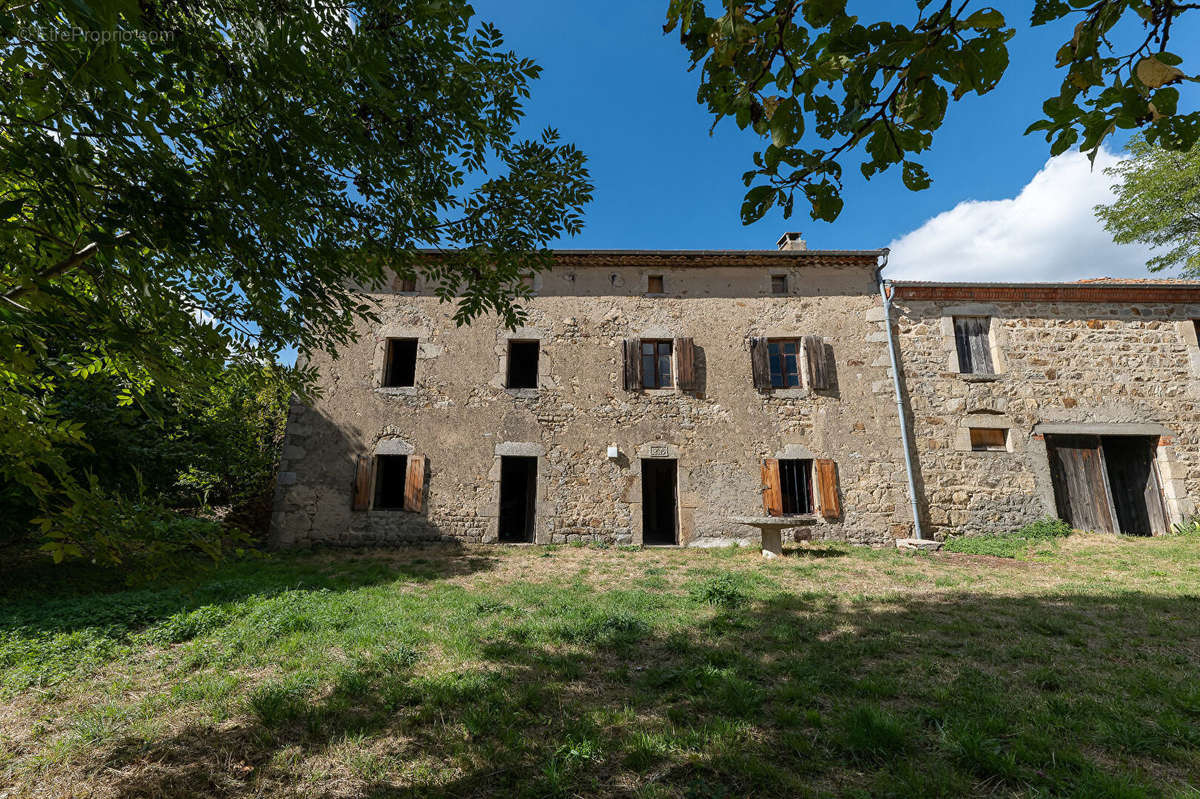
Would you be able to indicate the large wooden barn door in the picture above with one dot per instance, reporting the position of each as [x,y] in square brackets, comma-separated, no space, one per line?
[1080,483]
[1133,480]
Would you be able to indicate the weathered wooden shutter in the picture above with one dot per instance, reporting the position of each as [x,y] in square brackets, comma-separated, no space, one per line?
[631,350]
[362,482]
[685,363]
[414,483]
[772,493]
[818,367]
[760,363]
[827,488]
[974,352]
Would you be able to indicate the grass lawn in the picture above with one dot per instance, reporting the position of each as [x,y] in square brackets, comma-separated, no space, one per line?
[1072,670]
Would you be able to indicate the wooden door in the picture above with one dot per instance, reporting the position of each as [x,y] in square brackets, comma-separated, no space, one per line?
[1133,480]
[1080,483]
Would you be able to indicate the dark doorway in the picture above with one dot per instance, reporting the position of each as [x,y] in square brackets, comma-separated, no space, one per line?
[1108,484]
[518,498]
[1134,483]
[658,501]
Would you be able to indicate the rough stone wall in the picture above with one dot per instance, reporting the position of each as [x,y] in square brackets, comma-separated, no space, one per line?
[1058,362]
[460,416]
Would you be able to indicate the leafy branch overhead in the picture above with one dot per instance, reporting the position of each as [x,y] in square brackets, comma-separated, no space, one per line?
[823,86]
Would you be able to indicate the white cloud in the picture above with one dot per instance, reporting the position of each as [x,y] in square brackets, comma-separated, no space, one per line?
[1048,232]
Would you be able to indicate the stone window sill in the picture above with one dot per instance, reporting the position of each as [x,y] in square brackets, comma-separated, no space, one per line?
[523,393]
[968,377]
[788,393]
[659,392]
[397,391]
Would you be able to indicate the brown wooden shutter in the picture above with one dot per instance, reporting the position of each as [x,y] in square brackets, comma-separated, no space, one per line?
[685,363]
[414,483]
[760,363]
[974,345]
[827,488]
[362,482]
[818,368]
[632,355]
[772,494]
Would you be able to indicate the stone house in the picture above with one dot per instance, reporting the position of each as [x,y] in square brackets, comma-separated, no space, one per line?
[656,397]
[1076,400]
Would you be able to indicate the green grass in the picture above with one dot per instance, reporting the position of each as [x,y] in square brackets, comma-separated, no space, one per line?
[1012,545]
[580,671]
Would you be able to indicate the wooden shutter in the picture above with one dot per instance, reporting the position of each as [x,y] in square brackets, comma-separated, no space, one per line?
[818,368]
[362,482]
[974,350]
[414,483]
[827,488]
[772,494]
[632,356]
[1081,491]
[760,364]
[685,363]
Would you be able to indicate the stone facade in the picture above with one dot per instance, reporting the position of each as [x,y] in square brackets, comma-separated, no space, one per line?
[460,416]
[1100,359]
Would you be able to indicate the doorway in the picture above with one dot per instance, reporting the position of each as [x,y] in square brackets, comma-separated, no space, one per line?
[1107,483]
[518,498]
[659,478]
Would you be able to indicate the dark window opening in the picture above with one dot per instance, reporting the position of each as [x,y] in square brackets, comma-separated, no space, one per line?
[390,474]
[401,368]
[784,355]
[795,487]
[988,438]
[974,345]
[656,364]
[658,501]
[518,498]
[523,364]
[1196,327]
[654,284]
[406,284]
[779,284]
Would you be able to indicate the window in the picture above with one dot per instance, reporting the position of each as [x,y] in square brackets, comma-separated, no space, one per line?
[656,364]
[779,284]
[974,345]
[523,364]
[654,285]
[406,284]
[795,485]
[400,369]
[984,439]
[391,471]
[784,355]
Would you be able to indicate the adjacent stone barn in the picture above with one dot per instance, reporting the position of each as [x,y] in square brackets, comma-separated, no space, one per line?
[651,398]
[1073,400]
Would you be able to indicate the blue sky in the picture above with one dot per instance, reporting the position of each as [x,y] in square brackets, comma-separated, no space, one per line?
[619,88]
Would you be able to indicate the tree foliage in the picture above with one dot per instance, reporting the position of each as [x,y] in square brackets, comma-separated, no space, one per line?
[1158,203]
[881,89]
[190,184]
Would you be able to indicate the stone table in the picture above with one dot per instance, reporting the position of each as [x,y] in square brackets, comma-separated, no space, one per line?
[772,528]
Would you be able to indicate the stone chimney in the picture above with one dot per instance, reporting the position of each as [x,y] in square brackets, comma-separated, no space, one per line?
[791,241]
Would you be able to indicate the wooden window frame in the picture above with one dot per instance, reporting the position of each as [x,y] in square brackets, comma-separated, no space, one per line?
[406,285]
[797,474]
[777,345]
[824,494]
[779,284]
[662,284]
[983,439]
[654,379]
[366,476]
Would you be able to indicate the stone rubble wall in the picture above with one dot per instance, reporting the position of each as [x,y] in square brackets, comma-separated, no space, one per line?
[1059,362]
[459,415]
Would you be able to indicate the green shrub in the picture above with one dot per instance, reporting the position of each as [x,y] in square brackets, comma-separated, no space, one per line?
[1190,527]
[724,590]
[138,536]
